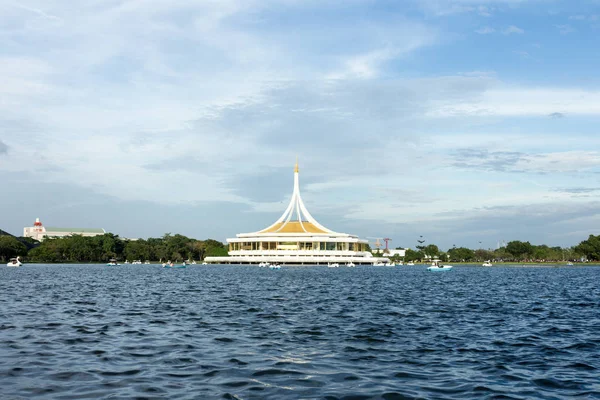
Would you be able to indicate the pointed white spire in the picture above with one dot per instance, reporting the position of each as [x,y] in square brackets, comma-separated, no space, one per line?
[297,208]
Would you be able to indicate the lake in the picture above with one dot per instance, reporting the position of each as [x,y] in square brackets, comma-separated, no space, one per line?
[242,332]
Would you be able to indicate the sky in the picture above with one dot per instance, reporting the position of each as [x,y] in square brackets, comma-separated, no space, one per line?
[457,122]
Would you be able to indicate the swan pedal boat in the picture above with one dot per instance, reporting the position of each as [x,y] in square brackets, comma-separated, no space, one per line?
[14,262]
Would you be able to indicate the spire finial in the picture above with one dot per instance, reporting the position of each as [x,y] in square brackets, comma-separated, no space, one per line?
[296,167]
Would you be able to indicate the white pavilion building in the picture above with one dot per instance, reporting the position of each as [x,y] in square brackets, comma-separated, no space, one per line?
[40,232]
[297,238]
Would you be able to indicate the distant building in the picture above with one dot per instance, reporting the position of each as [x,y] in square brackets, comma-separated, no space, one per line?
[296,238]
[39,231]
[390,252]
[396,252]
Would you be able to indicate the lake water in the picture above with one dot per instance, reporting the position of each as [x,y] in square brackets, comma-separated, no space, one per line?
[140,331]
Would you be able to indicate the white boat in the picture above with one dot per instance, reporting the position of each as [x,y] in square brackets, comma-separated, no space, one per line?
[263,264]
[112,263]
[126,262]
[274,266]
[146,262]
[570,264]
[488,263]
[390,264]
[410,263]
[173,265]
[14,262]
[350,264]
[333,265]
[436,266]
[204,263]
[400,263]
[193,262]
[136,262]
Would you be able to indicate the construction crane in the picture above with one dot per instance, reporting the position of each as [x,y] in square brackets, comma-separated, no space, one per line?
[377,242]
[386,243]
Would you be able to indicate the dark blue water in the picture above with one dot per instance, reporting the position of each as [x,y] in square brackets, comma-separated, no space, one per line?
[85,331]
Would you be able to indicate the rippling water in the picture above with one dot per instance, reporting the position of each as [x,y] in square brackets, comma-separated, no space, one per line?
[91,331]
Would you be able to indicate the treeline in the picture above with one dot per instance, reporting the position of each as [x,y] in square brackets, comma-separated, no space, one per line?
[102,248]
[178,247]
[515,251]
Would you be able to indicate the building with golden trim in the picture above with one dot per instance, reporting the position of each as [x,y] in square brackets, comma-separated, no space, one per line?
[297,238]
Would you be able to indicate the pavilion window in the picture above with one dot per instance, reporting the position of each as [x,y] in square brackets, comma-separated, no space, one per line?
[330,246]
[351,246]
[322,245]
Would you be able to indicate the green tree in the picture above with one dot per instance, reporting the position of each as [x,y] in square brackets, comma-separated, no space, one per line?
[412,255]
[520,250]
[483,255]
[461,254]
[590,248]
[215,248]
[11,247]
[431,250]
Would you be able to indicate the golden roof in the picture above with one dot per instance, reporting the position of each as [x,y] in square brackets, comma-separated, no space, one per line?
[293,227]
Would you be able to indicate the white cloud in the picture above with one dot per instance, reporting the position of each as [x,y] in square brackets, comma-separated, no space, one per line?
[590,17]
[501,101]
[513,29]
[565,29]
[485,30]
[168,102]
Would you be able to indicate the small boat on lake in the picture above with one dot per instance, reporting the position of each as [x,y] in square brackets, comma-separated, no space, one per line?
[333,265]
[274,266]
[436,266]
[570,264]
[410,263]
[14,262]
[350,264]
[488,263]
[170,264]
[112,263]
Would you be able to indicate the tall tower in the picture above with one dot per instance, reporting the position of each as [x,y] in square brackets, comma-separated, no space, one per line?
[296,212]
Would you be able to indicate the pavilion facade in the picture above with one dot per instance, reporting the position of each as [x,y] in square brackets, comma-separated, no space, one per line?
[296,238]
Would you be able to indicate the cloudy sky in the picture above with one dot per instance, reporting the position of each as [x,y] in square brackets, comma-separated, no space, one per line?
[465,121]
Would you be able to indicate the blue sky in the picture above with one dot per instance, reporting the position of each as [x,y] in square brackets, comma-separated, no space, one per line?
[463,121]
